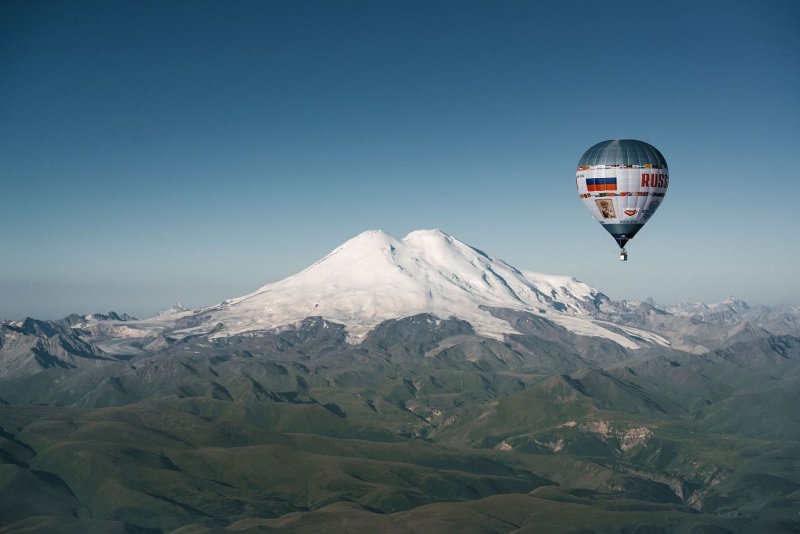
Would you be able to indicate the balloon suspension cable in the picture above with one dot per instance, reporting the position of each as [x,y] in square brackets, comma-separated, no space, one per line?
[623,255]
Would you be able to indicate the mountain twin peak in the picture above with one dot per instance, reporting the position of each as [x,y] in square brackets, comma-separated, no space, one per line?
[375,277]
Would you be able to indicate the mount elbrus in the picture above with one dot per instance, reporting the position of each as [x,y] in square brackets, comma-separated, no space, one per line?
[376,277]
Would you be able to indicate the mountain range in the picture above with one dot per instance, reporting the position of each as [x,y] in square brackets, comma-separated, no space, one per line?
[413,384]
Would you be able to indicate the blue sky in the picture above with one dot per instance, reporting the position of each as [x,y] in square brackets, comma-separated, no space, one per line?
[153,152]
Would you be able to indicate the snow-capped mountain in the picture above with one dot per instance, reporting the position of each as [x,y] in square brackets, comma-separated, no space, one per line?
[729,310]
[375,277]
[376,283]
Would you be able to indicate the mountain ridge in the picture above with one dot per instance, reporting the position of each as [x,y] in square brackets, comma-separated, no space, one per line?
[375,277]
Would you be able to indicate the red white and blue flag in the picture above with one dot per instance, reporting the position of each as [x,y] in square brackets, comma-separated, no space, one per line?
[601,184]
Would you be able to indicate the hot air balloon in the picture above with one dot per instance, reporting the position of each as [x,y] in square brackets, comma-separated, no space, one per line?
[622,182]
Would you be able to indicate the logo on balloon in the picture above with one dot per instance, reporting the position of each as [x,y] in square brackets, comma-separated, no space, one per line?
[655,180]
[606,208]
[651,209]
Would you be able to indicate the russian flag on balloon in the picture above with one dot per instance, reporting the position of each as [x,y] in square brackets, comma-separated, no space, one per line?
[601,184]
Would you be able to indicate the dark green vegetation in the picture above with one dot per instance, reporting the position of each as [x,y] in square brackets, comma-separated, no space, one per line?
[423,427]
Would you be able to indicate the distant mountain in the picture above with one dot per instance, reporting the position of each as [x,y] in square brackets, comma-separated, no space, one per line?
[728,311]
[700,328]
[29,346]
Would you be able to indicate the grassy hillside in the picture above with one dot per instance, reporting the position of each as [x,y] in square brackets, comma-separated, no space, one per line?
[448,433]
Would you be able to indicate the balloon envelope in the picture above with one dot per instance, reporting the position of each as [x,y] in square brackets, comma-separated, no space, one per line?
[622,182]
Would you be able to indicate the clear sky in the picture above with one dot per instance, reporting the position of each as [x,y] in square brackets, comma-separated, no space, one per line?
[154,152]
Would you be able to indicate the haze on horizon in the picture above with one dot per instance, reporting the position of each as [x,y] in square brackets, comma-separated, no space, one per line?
[158,152]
